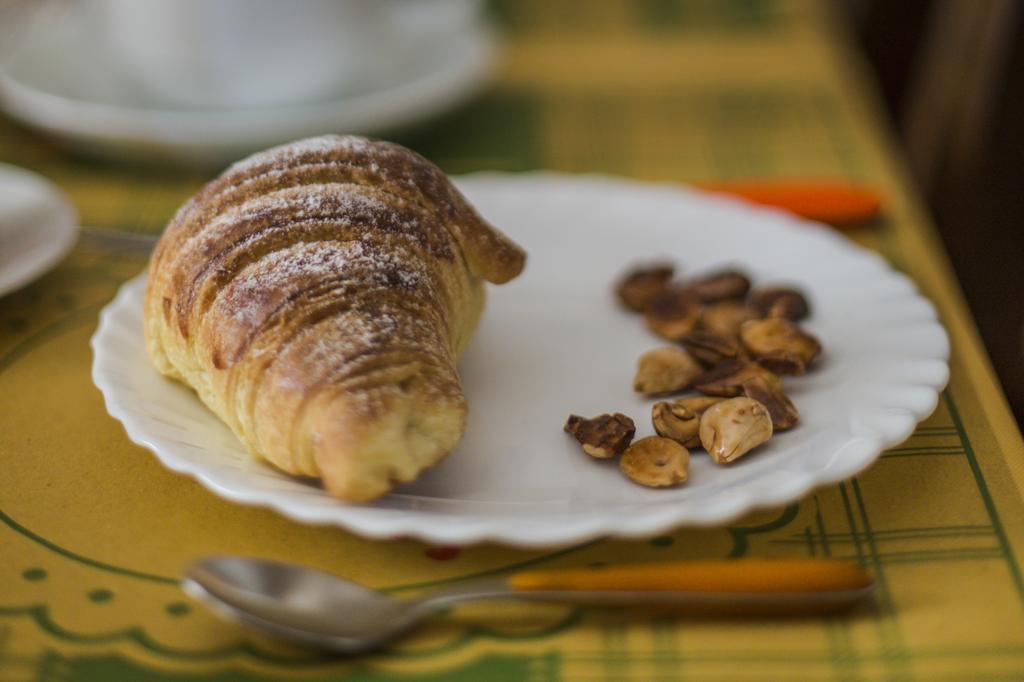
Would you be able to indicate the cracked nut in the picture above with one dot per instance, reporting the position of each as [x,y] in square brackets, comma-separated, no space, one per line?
[603,436]
[780,408]
[725,317]
[780,345]
[709,347]
[734,427]
[656,462]
[640,285]
[665,370]
[680,419]
[727,378]
[781,302]
[720,286]
[672,314]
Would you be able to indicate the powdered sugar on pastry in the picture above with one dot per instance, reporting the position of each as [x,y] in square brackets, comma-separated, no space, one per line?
[316,296]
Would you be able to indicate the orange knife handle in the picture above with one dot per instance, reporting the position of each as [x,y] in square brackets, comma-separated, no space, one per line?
[838,203]
[745,575]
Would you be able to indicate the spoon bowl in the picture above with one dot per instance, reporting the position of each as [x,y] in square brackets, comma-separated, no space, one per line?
[297,603]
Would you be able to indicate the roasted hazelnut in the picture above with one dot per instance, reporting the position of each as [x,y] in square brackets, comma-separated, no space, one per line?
[665,370]
[680,419]
[725,317]
[672,314]
[779,345]
[709,347]
[603,436]
[727,378]
[656,462]
[720,286]
[780,408]
[698,403]
[734,427]
[781,302]
[640,285]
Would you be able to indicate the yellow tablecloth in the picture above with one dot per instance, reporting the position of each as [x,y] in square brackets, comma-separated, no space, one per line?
[95,530]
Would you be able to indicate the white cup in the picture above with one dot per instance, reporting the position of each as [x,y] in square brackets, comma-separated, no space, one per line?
[258,53]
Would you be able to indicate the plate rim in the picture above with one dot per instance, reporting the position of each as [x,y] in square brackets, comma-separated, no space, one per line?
[861,450]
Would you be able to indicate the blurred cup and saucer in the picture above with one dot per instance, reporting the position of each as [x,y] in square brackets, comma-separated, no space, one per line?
[38,227]
[210,80]
[226,54]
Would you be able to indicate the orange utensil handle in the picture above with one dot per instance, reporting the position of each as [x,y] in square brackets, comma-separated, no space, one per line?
[743,575]
[837,203]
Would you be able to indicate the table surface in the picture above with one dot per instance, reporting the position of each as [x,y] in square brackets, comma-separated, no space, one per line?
[94,529]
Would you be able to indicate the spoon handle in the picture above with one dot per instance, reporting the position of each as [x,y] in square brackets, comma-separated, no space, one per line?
[747,587]
[746,575]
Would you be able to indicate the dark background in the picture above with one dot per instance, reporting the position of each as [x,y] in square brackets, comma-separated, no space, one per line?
[977,203]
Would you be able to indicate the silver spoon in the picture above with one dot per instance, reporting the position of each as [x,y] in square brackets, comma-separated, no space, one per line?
[311,607]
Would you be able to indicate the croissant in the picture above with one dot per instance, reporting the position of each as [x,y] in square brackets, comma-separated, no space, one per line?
[316,296]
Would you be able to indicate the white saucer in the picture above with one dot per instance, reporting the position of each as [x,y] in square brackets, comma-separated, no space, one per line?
[38,226]
[63,82]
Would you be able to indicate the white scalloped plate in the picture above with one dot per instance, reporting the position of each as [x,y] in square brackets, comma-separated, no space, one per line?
[555,342]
